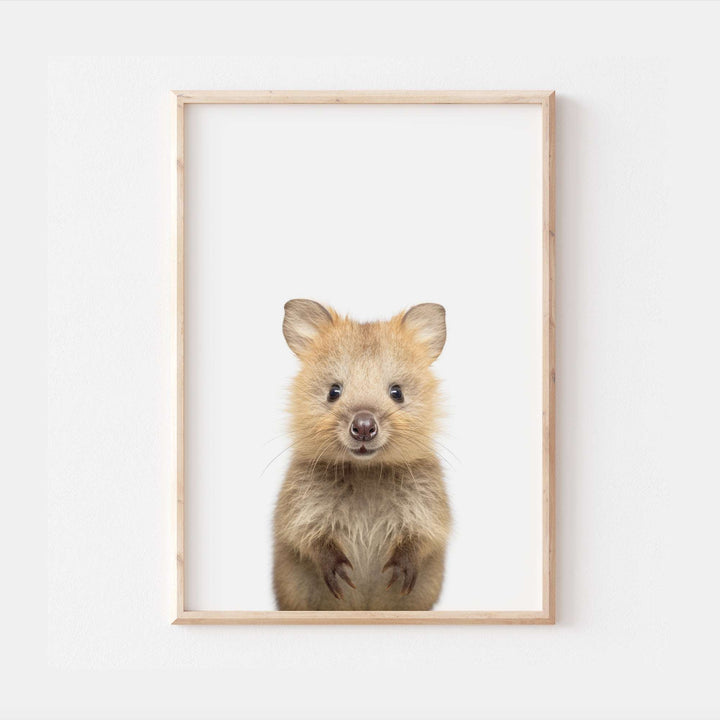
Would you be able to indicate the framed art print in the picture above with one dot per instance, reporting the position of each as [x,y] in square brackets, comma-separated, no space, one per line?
[365,357]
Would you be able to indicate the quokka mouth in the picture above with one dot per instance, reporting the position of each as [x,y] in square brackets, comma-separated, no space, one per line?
[363,451]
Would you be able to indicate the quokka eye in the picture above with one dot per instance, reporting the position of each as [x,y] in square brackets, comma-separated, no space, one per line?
[334,393]
[396,393]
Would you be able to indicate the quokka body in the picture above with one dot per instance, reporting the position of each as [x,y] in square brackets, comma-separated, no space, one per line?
[362,519]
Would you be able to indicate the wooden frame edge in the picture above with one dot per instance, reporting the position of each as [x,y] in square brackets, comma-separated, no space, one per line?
[546,99]
[318,617]
[548,304]
[178,209]
[481,97]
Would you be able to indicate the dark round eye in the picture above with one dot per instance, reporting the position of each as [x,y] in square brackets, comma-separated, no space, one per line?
[396,393]
[334,393]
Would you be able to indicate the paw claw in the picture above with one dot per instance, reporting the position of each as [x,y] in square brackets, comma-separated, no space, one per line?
[395,575]
[403,564]
[341,572]
[332,564]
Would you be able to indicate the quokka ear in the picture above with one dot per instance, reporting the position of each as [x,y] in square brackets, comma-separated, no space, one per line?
[304,321]
[427,321]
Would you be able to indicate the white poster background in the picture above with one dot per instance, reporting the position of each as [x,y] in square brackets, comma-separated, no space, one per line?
[369,208]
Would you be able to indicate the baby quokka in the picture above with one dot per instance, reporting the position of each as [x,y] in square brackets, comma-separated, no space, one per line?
[362,519]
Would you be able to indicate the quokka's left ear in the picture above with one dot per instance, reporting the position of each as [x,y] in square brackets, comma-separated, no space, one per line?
[427,321]
[303,322]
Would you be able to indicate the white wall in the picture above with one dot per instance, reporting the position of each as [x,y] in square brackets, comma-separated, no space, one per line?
[638,481]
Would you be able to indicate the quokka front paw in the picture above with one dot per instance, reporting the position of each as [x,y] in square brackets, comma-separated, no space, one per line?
[404,565]
[333,562]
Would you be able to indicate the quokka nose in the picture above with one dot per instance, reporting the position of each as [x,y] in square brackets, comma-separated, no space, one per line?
[363,426]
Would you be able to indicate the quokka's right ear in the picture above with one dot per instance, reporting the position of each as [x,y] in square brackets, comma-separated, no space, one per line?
[427,321]
[304,321]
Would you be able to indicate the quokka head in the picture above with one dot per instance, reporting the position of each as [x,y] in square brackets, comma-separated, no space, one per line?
[365,392]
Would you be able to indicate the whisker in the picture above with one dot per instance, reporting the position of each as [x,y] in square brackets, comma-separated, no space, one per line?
[412,474]
[431,449]
[282,452]
[404,406]
[317,459]
[437,442]
[302,438]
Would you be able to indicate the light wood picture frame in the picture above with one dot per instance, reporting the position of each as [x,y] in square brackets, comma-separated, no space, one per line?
[546,100]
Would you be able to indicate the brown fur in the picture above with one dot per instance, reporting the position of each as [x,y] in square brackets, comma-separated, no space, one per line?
[345,525]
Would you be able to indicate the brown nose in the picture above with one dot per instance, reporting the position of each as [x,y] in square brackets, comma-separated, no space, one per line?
[363,426]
